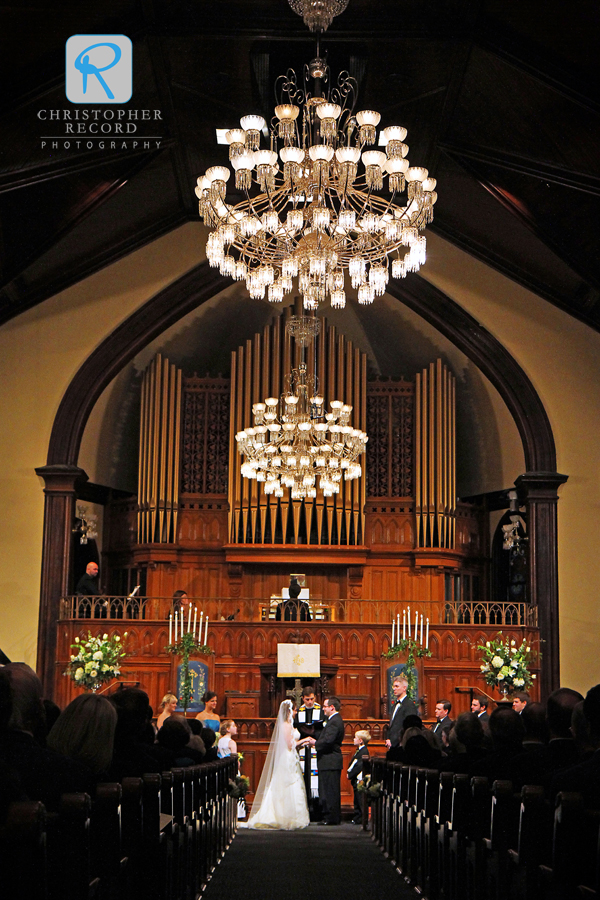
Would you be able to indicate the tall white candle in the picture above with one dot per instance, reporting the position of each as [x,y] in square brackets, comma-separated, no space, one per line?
[200,628]
[393,627]
[170,628]
[195,617]
[181,623]
[176,620]
[416,626]
[403,624]
[421,630]
[408,619]
[190,618]
[398,627]
[427,636]
[206,631]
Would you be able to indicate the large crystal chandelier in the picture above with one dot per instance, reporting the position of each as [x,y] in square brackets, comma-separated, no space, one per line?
[321,204]
[294,443]
[318,14]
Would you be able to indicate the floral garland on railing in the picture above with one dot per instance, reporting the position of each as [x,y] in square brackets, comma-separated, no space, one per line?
[371,788]
[506,666]
[413,649]
[96,660]
[185,647]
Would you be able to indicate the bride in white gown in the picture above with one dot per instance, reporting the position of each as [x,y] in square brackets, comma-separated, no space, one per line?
[280,799]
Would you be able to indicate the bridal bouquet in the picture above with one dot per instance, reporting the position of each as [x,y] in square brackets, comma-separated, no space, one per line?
[506,666]
[96,660]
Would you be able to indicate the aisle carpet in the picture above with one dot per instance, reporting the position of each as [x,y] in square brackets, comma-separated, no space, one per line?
[312,864]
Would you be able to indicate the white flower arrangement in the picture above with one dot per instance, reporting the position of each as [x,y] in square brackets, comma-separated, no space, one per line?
[96,660]
[506,666]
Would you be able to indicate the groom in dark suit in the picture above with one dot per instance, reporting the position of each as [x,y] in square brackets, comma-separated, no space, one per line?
[330,762]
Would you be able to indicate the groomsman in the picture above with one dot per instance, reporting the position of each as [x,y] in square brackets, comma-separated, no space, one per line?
[330,762]
[403,707]
[309,721]
[442,715]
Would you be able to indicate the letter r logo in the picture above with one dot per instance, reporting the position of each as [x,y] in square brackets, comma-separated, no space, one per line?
[98,68]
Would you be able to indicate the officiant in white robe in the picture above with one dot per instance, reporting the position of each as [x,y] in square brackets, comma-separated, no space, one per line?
[309,721]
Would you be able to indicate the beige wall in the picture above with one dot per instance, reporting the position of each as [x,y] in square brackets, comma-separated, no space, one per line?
[41,350]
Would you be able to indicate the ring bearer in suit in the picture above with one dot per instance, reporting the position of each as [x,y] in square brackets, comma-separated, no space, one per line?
[330,762]
[309,721]
[403,707]
[355,772]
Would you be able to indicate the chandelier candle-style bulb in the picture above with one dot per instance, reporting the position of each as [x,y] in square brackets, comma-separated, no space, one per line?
[243,163]
[374,161]
[236,138]
[368,121]
[252,125]
[291,158]
[287,113]
[266,163]
[218,177]
[415,176]
[328,113]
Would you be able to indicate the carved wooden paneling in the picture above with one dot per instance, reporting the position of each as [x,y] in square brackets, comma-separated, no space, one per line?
[205,438]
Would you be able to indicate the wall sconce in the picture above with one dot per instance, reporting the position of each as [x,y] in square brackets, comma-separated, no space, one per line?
[513,540]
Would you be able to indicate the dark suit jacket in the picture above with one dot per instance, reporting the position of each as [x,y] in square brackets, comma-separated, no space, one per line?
[484,718]
[406,708]
[446,722]
[329,745]
[356,764]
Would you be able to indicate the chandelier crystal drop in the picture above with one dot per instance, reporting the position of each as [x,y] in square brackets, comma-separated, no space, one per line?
[320,202]
[294,443]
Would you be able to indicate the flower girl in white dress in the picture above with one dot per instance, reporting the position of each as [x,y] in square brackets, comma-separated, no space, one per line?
[280,799]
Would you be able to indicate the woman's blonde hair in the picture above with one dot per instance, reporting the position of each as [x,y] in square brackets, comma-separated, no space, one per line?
[225,724]
[168,698]
[365,736]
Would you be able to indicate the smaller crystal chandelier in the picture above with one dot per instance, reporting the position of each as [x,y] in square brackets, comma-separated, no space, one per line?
[294,443]
[513,538]
[86,525]
[318,14]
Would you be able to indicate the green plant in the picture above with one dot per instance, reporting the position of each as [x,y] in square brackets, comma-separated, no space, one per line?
[413,650]
[371,789]
[506,666]
[238,788]
[187,646]
[96,660]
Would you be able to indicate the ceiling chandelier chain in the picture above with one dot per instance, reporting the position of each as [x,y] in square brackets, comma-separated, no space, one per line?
[294,443]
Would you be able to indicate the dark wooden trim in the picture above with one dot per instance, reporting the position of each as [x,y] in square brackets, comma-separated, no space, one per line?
[128,339]
[59,510]
[539,491]
[493,359]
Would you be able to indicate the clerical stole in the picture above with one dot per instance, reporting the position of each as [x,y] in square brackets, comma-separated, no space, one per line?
[308,755]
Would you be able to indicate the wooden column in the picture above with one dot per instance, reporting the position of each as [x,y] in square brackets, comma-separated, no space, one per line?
[59,513]
[539,491]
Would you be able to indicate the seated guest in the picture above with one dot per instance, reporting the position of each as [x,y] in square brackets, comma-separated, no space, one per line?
[465,745]
[584,778]
[210,742]
[44,774]
[174,737]
[534,722]
[506,730]
[580,729]
[226,745]
[135,752]
[479,707]
[539,766]
[419,748]
[209,717]
[85,731]
[168,705]
[293,610]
